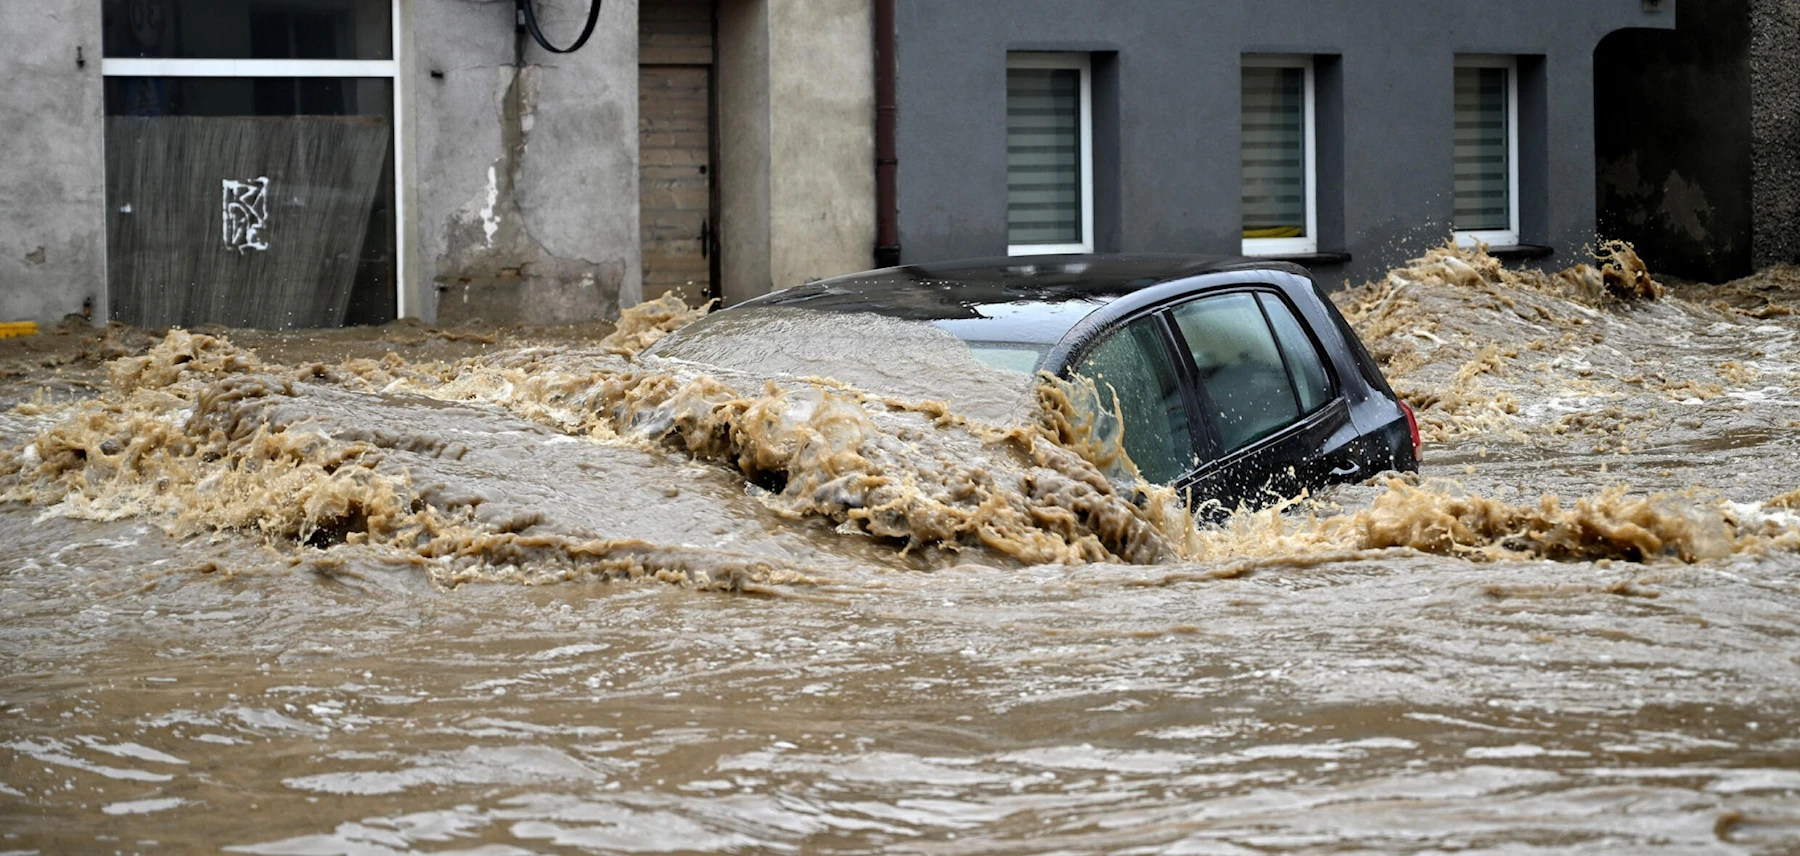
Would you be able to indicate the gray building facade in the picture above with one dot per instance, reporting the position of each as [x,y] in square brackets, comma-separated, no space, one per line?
[723,148]
[1699,138]
[296,163]
[1165,158]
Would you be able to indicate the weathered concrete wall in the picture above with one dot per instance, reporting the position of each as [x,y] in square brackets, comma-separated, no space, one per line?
[743,73]
[1775,128]
[797,126]
[1673,140]
[52,172]
[822,139]
[527,177]
[1178,70]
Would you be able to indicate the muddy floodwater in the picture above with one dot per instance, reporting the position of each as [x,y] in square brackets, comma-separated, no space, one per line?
[418,591]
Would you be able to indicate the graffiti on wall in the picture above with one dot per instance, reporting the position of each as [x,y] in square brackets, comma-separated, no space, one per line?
[246,214]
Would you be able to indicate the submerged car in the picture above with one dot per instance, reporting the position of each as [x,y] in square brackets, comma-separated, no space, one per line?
[1236,380]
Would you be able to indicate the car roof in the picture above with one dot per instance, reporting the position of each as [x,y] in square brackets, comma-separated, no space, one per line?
[1023,299]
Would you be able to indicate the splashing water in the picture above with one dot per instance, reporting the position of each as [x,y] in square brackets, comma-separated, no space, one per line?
[337,592]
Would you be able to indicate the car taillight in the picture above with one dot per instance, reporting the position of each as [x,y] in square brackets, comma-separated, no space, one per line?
[1412,425]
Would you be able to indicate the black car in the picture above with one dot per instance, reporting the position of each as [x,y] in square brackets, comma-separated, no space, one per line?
[1237,380]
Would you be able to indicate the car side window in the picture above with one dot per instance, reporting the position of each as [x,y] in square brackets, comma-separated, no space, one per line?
[1133,364]
[1240,367]
[1304,364]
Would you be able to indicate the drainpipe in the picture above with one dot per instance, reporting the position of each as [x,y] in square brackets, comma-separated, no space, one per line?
[887,194]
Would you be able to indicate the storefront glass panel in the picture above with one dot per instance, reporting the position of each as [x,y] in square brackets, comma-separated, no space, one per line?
[249,29]
[255,202]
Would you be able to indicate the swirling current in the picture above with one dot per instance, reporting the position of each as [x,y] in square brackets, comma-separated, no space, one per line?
[529,590]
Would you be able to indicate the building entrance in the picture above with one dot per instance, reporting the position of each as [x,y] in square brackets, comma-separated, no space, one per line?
[677,149]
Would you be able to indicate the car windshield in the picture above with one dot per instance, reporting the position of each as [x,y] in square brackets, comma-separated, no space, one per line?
[903,358]
[1010,356]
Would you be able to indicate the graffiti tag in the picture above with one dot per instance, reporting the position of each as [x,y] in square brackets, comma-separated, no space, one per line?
[246,214]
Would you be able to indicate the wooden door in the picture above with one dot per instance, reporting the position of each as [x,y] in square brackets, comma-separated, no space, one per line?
[676,146]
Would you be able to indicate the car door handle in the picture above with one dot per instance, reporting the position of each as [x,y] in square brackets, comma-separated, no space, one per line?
[1346,469]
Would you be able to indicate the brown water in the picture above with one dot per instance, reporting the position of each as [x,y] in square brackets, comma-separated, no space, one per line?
[526,593]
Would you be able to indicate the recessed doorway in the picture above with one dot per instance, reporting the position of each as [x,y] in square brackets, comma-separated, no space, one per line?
[678,149]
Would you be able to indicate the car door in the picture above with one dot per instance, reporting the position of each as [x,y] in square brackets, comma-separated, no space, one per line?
[1267,398]
[1138,364]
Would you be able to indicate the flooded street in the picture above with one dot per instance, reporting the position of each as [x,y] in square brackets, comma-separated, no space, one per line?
[405,591]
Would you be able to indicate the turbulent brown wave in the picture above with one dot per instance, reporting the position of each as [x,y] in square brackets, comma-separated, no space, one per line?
[643,325]
[203,436]
[1479,348]
[912,473]
[1440,517]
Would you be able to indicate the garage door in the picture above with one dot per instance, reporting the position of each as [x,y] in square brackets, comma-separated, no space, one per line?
[676,147]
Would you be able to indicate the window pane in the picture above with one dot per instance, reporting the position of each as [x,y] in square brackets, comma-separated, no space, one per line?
[1308,371]
[1239,366]
[1133,364]
[1043,156]
[249,29]
[1483,197]
[257,202]
[1274,155]
[1023,359]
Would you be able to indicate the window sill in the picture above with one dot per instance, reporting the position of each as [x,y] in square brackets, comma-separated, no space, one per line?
[1521,251]
[1307,259]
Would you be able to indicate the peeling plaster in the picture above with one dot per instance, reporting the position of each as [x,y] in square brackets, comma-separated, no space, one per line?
[1684,203]
[489,222]
[493,267]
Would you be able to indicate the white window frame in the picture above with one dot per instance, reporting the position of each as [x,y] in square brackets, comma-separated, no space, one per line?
[1509,236]
[380,68]
[1309,243]
[1083,63]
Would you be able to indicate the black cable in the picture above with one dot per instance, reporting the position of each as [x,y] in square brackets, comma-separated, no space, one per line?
[529,15]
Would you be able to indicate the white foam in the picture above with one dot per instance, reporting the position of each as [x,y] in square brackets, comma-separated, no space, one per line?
[143,806]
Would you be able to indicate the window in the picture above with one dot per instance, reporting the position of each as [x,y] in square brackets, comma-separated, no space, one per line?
[1280,202]
[251,156]
[1049,154]
[1303,362]
[1487,151]
[1133,364]
[1007,356]
[1240,367]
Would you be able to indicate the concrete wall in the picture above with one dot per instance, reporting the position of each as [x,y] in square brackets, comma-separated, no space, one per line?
[52,175]
[1775,128]
[743,74]
[1673,140]
[527,183]
[797,119]
[520,186]
[1178,113]
[822,139]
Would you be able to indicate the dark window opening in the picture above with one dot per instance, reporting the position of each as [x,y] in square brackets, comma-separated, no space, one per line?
[257,29]
[253,202]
